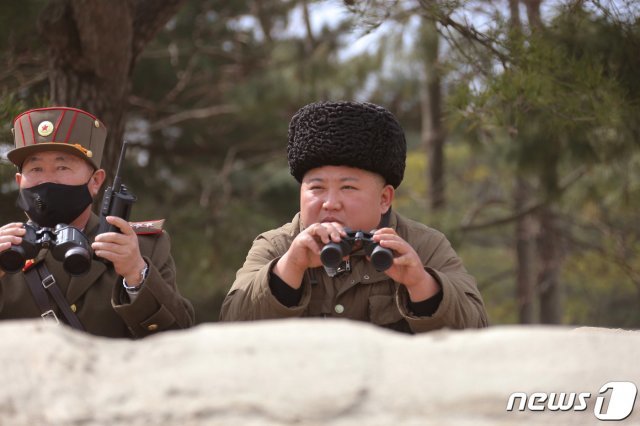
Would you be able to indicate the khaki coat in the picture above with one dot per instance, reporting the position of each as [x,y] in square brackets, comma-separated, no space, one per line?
[362,293]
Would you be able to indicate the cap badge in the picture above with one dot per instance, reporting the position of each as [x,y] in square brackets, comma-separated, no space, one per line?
[45,128]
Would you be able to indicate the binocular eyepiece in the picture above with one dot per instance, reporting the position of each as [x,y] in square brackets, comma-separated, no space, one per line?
[332,253]
[67,244]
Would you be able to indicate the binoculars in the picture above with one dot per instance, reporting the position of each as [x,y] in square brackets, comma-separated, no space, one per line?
[67,244]
[332,253]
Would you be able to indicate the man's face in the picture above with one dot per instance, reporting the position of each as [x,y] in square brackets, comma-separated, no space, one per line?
[58,167]
[355,198]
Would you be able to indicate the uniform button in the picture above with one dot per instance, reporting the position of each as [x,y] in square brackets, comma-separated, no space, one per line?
[353,281]
[366,277]
[339,309]
[152,327]
[73,307]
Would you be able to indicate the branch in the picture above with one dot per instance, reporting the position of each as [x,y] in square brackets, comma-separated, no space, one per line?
[192,115]
[567,182]
[469,32]
[307,24]
[506,220]
[149,18]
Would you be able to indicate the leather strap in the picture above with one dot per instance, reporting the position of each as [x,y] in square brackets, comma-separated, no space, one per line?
[40,282]
[50,284]
[40,295]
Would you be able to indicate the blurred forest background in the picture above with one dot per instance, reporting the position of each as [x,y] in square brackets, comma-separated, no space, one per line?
[522,118]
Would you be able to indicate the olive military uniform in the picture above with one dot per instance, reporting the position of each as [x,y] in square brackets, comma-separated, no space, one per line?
[99,299]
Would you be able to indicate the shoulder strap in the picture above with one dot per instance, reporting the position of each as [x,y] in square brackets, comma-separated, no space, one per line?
[40,280]
[39,294]
[148,227]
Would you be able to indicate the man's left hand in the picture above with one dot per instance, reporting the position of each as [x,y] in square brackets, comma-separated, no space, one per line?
[407,268]
[122,250]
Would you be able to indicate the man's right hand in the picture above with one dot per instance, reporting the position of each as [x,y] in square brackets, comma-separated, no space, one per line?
[305,250]
[10,233]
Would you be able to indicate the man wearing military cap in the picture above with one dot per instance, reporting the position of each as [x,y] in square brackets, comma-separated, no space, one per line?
[128,287]
[349,158]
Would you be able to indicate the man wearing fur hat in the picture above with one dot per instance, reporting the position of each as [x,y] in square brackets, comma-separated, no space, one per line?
[349,158]
[128,288]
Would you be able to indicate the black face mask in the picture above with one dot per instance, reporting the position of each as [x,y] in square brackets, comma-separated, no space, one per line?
[49,204]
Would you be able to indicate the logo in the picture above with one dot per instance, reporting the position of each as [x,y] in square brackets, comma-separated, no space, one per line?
[615,401]
[45,128]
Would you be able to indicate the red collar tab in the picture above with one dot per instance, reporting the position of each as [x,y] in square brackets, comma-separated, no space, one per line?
[147,227]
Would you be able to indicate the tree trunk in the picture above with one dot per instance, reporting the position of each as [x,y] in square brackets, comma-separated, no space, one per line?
[533,13]
[526,256]
[525,225]
[92,48]
[550,253]
[433,132]
[514,15]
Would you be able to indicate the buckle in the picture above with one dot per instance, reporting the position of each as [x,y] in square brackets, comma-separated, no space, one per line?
[48,281]
[50,316]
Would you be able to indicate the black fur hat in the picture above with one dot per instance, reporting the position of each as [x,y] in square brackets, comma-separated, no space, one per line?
[353,134]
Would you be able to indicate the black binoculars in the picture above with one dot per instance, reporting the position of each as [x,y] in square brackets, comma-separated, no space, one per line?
[332,253]
[67,244]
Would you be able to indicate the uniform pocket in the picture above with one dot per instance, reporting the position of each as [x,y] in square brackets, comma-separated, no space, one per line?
[383,310]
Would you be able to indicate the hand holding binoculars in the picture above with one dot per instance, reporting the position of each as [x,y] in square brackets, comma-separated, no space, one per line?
[332,253]
[67,244]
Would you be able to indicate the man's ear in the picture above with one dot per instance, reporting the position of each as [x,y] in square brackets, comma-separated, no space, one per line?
[386,198]
[96,181]
[18,179]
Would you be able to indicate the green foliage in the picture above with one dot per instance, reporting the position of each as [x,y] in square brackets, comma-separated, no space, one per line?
[565,102]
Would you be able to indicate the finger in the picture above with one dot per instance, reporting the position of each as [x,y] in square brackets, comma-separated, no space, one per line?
[12,230]
[397,245]
[321,231]
[405,260]
[116,257]
[336,232]
[11,239]
[385,231]
[104,254]
[121,224]
[115,238]
[338,228]
[12,225]
[114,248]
[108,237]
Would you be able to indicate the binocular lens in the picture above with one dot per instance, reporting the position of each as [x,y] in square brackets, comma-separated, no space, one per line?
[381,258]
[331,255]
[77,261]
[12,260]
